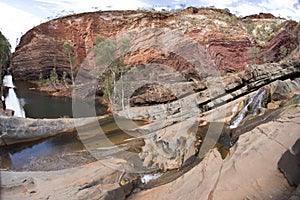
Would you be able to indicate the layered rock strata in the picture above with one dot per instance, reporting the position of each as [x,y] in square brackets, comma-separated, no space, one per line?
[226,38]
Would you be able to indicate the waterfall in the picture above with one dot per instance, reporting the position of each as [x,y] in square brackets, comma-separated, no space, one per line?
[252,106]
[11,100]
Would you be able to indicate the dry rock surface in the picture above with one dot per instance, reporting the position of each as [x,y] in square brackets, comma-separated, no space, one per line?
[250,171]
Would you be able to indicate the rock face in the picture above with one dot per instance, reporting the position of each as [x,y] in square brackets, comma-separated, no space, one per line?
[226,38]
[289,164]
[250,171]
[16,130]
[92,181]
[224,89]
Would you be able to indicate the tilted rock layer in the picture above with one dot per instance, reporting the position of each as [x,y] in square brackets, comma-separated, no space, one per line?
[249,172]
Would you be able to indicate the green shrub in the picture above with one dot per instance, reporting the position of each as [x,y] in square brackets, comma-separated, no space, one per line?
[68,49]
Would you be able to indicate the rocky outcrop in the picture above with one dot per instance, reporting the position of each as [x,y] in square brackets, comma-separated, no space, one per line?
[261,16]
[281,90]
[250,170]
[219,90]
[92,181]
[41,48]
[282,43]
[289,164]
[16,130]
[235,48]
[167,148]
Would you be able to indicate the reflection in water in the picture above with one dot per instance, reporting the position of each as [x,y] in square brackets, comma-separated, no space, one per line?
[41,105]
[62,151]
[45,154]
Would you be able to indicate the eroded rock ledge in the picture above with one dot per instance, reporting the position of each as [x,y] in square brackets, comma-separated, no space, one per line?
[250,171]
[16,130]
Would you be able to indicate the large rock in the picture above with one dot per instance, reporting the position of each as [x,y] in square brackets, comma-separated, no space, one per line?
[289,164]
[169,147]
[91,181]
[282,90]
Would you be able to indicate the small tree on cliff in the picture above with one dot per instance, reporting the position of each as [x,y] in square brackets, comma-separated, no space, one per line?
[283,51]
[53,78]
[68,48]
[5,56]
[109,57]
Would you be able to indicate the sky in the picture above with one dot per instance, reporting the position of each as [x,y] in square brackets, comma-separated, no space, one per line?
[19,16]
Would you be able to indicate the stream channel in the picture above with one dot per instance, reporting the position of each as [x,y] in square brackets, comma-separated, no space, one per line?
[66,150]
[54,153]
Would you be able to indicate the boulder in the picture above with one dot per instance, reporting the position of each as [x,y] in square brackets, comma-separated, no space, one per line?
[169,147]
[289,164]
[281,90]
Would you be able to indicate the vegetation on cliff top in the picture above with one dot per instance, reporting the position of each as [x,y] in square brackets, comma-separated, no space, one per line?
[5,54]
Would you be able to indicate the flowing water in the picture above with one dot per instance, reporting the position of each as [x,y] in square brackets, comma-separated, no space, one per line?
[253,104]
[11,100]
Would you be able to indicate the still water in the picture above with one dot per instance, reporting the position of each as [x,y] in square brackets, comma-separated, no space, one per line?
[64,150]
[41,105]
[59,152]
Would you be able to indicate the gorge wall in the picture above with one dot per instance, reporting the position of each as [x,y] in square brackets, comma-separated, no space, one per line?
[228,44]
[231,42]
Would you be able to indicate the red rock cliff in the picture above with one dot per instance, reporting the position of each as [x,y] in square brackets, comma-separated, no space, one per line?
[227,39]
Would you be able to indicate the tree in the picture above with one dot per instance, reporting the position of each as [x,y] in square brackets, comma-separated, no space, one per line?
[249,24]
[109,57]
[68,48]
[105,50]
[283,51]
[64,79]
[53,78]
[5,54]
[41,80]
